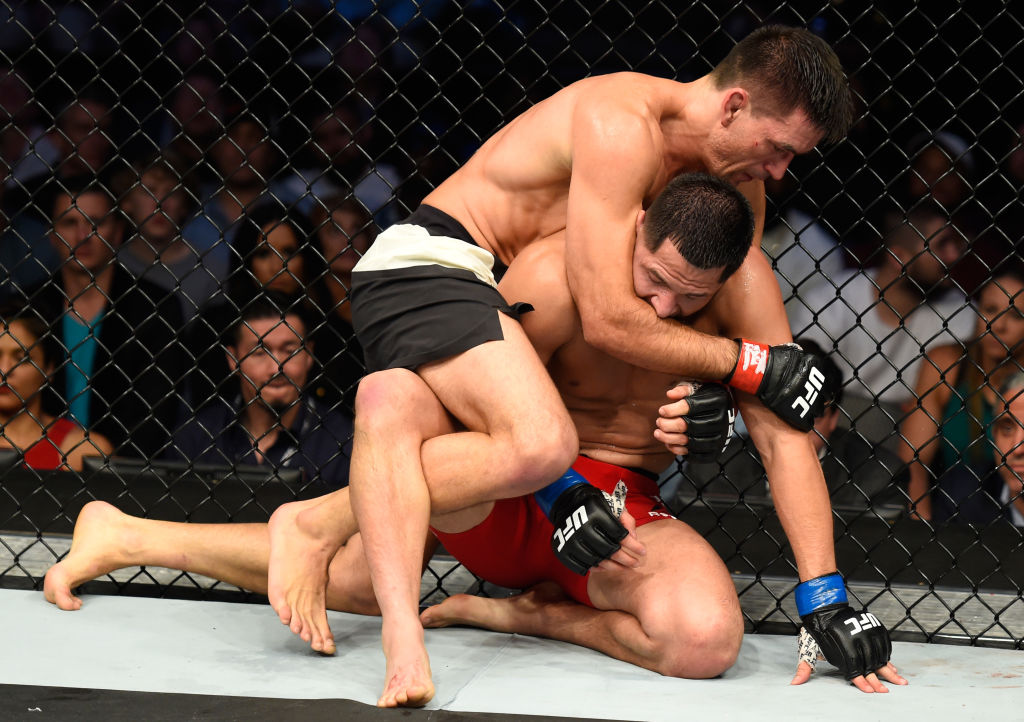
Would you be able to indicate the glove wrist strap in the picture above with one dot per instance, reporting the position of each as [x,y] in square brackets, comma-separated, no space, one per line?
[820,592]
[750,366]
[547,496]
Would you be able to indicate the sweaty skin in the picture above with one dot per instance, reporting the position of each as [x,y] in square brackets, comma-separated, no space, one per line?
[585,161]
[614,406]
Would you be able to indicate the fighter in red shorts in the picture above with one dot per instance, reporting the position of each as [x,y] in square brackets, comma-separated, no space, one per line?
[677,613]
[525,557]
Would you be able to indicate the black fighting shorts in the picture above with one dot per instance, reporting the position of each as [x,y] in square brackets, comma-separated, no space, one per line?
[425,291]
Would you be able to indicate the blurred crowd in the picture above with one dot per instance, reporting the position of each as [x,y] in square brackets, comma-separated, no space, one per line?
[186,192]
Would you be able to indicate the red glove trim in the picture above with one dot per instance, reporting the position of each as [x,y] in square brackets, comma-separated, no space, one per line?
[750,366]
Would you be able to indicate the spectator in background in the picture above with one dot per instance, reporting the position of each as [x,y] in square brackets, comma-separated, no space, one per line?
[941,170]
[84,134]
[28,357]
[803,253]
[121,358]
[26,256]
[343,235]
[859,475]
[877,325]
[245,159]
[339,157]
[1008,438]
[946,435]
[195,121]
[156,203]
[272,252]
[23,154]
[272,420]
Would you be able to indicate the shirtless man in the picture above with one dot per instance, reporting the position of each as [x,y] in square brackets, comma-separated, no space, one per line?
[583,163]
[679,615]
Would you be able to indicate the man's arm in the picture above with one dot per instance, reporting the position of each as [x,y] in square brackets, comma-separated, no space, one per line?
[616,161]
[794,473]
[801,500]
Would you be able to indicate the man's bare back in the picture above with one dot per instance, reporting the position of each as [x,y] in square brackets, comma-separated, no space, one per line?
[515,189]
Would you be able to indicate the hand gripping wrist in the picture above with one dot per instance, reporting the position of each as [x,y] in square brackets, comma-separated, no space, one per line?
[856,643]
[709,422]
[586,529]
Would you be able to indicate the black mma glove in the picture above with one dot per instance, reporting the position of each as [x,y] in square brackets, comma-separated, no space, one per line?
[587,530]
[854,642]
[787,379]
[708,422]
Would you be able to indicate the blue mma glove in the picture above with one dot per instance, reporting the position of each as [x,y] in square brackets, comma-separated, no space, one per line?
[708,422]
[856,643]
[587,530]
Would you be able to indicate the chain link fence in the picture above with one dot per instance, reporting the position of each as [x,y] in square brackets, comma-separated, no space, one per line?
[246,154]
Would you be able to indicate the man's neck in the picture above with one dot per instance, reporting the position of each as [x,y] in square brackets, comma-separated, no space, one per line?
[87,294]
[685,114]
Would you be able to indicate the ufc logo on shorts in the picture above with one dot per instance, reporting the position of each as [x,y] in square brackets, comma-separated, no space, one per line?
[577,519]
[811,389]
[866,621]
[755,356]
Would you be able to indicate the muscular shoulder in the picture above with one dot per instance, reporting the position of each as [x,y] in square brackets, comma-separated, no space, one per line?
[537,276]
[616,115]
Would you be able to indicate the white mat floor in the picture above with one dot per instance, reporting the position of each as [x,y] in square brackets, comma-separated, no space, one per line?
[218,648]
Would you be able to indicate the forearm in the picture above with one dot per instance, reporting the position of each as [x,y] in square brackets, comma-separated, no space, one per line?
[798,490]
[801,501]
[632,332]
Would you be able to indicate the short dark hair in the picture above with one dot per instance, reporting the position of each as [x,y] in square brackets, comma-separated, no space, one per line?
[833,376]
[79,185]
[793,69]
[271,305]
[709,222]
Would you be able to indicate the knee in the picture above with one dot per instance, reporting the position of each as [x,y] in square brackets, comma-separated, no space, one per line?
[541,454]
[702,648]
[384,395]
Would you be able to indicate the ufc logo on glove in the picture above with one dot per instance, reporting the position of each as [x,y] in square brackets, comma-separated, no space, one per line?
[866,621]
[577,519]
[812,388]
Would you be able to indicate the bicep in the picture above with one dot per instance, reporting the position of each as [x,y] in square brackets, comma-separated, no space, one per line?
[614,161]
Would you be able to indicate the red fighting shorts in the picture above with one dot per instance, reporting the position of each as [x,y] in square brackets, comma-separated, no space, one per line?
[512,546]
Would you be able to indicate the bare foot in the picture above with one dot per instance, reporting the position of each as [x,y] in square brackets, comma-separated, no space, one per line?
[300,554]
[510,615]
[96,549]
[409,682]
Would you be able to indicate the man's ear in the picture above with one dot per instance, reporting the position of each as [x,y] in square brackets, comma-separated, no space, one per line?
[232,356]
[735,100]
[640,221]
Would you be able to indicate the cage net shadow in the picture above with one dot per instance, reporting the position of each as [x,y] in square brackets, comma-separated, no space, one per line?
[188,185]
